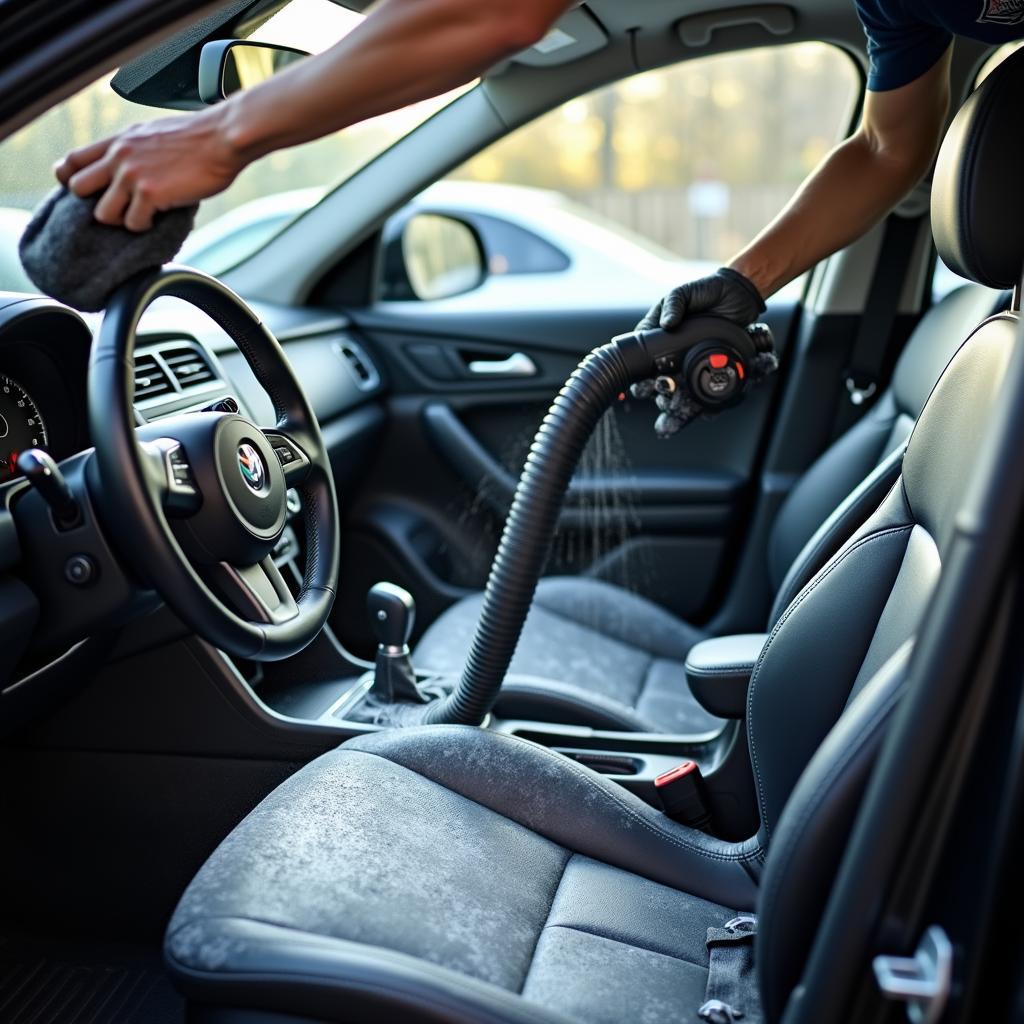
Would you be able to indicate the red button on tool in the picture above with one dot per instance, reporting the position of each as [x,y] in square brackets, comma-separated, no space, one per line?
[718,361]
[672,774]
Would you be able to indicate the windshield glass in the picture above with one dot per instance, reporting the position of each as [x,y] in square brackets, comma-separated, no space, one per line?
[264,198]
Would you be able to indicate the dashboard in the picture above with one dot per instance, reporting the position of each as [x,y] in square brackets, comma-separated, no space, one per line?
[183,363]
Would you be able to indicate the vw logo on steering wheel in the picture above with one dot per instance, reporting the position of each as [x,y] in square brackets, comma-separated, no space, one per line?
[250,465]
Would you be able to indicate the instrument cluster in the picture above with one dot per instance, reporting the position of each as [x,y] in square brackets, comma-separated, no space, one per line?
[44,355]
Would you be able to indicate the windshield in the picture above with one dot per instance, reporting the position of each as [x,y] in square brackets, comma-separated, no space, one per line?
[264,198]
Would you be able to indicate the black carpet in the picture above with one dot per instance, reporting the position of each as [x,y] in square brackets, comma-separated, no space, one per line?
[79,983]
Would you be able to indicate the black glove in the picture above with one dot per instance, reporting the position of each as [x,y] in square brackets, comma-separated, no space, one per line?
[726,293]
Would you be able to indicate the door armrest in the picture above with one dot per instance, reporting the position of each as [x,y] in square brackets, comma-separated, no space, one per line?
[719,670]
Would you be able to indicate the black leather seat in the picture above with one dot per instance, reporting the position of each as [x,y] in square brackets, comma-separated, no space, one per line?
[447,873]
[592,653]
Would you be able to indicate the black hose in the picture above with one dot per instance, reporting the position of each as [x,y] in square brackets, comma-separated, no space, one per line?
[526,540]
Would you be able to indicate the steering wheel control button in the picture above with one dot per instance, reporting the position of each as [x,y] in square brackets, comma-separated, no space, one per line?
[80,570]
[291,457]
[182,497]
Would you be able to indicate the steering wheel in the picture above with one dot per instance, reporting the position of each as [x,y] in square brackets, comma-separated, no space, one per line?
[196,502]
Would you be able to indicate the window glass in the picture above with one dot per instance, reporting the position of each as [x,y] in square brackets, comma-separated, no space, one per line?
[685,163]
[265,197]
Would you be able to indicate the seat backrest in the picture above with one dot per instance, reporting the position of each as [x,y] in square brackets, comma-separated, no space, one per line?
[883,430]
[831,671]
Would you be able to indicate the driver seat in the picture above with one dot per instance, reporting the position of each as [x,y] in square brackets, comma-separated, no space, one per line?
[444,873]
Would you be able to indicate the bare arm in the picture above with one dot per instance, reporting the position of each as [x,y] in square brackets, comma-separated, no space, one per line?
[405,51]
[856,184]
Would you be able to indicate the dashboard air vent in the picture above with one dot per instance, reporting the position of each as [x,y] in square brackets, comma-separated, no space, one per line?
[365,373]
[151,380]
[188,365]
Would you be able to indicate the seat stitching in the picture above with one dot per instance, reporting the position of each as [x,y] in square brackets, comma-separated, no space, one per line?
[797,601]
[564,762]
[623,942]
[547,917]
[835,527]
[720,669]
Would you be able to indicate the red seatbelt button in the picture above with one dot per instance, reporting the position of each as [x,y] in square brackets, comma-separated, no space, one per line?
[678,772]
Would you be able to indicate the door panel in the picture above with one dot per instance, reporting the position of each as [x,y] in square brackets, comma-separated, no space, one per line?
[660,517]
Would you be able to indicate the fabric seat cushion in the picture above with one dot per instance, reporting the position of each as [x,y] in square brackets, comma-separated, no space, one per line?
[561,894]
[606,656]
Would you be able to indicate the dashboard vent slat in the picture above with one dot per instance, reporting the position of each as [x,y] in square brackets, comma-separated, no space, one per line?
[359,363]
[189,366]
[151,380]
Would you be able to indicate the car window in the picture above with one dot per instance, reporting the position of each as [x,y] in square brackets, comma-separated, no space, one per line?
[687,162]
[265,197]
[944,280]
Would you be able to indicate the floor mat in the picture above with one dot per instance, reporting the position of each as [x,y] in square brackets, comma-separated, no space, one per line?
[78,984]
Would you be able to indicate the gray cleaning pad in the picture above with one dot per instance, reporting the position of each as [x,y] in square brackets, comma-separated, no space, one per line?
[70,256]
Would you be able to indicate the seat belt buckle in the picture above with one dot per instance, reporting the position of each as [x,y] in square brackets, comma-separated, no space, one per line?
[683,795]
[860,388]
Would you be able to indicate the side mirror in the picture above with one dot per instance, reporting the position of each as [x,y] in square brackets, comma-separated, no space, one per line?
[432,256]
[229,65]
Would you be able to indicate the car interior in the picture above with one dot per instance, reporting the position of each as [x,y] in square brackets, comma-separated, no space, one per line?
[367,654]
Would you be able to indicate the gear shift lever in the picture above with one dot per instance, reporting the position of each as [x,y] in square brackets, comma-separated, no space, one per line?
[392,614]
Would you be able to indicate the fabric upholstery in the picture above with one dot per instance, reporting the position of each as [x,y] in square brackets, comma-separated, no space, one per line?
[451,847]
[591,640]
[594,654]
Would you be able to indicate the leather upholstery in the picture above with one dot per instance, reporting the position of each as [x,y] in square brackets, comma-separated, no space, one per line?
[977,204]
[718,672]
[595,654]
[813,830]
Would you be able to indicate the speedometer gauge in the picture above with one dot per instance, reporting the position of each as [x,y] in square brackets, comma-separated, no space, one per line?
[21,426]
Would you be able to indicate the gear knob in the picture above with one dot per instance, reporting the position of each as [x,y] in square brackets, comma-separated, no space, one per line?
[392,614]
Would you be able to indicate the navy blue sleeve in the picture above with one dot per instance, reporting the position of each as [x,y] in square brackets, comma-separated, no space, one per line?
[901,46]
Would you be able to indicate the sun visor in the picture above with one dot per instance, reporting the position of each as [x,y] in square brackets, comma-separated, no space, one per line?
[574,35]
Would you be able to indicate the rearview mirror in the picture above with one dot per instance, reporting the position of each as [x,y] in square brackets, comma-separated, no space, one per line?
[229,65]
[433,257]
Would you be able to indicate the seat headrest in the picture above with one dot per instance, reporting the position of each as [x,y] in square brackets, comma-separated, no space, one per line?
[977,198]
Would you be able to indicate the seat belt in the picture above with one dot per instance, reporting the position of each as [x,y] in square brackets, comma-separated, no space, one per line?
[867,356]
[732,993]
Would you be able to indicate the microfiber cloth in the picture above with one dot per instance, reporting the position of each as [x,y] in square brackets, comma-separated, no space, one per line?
[70,256]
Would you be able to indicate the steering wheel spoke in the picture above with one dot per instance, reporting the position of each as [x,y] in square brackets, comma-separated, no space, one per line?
[170,477]
[290,454]
[257,592]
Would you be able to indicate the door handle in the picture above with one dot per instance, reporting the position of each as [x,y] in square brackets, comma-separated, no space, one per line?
[519,364]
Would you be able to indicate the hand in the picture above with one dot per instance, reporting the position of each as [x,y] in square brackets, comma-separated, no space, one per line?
[725,293]
[170,162]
